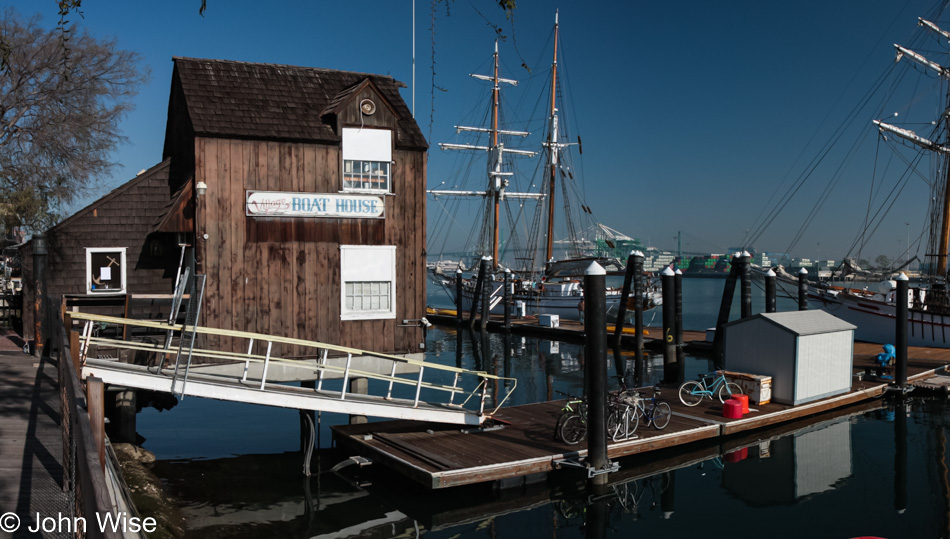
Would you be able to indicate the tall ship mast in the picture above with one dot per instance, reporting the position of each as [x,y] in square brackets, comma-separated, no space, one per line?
[872,309]
[542,286]
[939,244]
[498,178]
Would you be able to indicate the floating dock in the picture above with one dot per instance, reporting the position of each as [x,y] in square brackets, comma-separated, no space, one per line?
[523,444]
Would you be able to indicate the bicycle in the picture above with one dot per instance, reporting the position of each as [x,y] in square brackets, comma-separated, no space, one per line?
[657,413]
[692,392]
[624,415]
[571,426]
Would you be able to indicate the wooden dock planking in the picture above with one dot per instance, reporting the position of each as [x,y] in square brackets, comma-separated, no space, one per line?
[440,456]
[936,382]
[455,507]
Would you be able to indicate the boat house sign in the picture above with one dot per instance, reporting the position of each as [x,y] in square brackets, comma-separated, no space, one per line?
[284,204]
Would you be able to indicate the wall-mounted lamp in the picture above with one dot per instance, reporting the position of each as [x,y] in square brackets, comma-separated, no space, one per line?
[201,188]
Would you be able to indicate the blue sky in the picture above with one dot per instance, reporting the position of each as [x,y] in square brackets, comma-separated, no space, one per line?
[692,113]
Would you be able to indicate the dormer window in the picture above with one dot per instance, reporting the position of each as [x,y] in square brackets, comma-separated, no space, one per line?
[367,159]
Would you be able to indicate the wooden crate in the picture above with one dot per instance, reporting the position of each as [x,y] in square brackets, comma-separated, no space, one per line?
[756,386]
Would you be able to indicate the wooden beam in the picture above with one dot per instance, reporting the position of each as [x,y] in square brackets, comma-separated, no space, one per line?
[95,405]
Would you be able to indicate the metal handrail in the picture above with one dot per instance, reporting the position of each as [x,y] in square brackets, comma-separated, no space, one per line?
[481,389]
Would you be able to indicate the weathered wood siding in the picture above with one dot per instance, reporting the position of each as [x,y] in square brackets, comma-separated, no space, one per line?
[281,276]
[123,218]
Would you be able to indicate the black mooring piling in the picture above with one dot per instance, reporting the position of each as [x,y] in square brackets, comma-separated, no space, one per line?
[668,280]
[595,331]
[678,307]
[900,342]
[479,283]
[745,274]
[639,364]
[622,311]
[725,305]
[802,290]
[507,299]
[486,300]
[458,296]
[770,305]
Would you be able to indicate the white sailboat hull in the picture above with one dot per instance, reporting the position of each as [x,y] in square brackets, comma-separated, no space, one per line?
[876,320]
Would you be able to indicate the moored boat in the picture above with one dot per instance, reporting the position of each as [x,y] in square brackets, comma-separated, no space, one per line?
[869,300]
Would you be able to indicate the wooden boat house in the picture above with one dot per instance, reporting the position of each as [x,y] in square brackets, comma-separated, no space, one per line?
[105,250]
[302,192]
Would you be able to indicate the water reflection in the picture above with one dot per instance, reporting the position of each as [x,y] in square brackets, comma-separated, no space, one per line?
[806,463]
[817,474]
[878,469]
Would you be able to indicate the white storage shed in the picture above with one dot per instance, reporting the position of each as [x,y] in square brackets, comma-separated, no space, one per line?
[808,354]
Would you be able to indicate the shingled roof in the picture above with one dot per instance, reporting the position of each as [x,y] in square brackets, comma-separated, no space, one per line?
[270,101]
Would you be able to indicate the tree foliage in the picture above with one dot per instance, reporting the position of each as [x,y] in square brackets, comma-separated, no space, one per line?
[60,105]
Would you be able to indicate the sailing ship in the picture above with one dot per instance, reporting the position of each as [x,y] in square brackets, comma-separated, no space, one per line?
[872,306]
[540,285]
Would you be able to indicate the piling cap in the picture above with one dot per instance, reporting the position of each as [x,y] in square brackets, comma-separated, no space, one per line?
[486,257]
[770,273]
[678,272]
[636,253]
[595,269]
[458,270]
[667,272]
[803,271]
[902,277]
[746,254]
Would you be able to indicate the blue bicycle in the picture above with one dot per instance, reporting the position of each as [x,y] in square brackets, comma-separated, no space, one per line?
[655,411]
[692,392]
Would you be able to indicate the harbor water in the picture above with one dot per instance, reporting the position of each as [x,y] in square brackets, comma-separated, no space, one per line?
[876,469]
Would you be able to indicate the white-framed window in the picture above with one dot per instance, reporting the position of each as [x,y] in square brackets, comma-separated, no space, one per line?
[367,159]
[368,282]
[105,270]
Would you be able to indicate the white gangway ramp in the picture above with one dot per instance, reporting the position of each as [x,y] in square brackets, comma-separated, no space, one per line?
[399,388]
